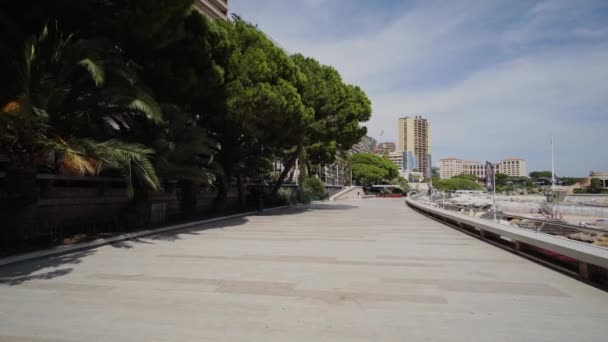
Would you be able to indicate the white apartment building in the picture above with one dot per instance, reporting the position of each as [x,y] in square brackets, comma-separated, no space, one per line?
[472,167]
[513,167]
[450,167]
[397,159]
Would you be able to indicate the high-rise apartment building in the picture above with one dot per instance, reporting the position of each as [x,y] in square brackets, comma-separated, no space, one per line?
[428,173]
[214,9]
[414,135]
[450,167]
[410,163]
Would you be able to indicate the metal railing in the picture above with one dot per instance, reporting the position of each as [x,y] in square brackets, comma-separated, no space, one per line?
[551,227]
[588,261]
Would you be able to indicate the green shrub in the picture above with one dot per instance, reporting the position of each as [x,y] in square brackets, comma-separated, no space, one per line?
[313,187]
[287,196]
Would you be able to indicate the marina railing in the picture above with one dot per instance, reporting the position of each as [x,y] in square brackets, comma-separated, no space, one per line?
[587,261]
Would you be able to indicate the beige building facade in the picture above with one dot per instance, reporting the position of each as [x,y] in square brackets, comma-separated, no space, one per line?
[414,134]
[475,168]
[602,176]
[397,159]
[450,167]
[513,167]
[214,9]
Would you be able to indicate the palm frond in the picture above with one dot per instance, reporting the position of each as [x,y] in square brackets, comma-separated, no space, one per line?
[25,70]
[90,157]
[79,163]
[120,150]
[75,157]
[110,121]
[146,104]
[143,168]
[95,69]
[133,159]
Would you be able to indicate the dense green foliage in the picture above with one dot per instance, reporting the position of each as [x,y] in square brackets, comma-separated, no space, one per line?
[402,182]
[545,176]
[313,186]
[337,108]
[157,91]
[467,177]
[461,182]
[69,91]
[568,181]
[540,174]
[501,180]
[595,186]
[371,169]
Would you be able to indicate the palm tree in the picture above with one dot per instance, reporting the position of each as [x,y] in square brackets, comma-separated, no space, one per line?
[76,97]
[184,153]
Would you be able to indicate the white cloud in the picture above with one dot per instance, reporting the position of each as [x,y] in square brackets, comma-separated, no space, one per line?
[496,78]
[512,108]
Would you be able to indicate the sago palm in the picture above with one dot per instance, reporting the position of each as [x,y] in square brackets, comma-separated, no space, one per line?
[76,96]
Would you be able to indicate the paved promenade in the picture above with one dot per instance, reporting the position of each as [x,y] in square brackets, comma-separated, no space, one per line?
[366,270]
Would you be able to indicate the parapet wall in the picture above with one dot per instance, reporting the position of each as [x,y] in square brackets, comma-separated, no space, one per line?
[591,261]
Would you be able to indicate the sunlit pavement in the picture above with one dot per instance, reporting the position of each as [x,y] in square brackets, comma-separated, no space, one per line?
[361,270]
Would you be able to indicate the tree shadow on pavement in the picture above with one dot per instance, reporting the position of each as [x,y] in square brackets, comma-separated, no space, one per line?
[179,234]
[42,269]
[128,244]
[58,266]
[308,208]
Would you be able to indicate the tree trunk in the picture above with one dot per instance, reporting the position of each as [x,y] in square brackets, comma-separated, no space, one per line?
[242,189]
[288,168]
[20,207]
[311,170]
[219,205]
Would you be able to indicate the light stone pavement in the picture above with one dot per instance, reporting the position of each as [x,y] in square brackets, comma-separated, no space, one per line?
[367,270]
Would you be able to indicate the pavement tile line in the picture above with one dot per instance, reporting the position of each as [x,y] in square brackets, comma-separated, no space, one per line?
[302,260]
[487,287]
[276,291]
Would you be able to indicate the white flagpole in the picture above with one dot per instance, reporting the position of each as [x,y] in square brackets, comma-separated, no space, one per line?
[552,164]
[553,176]
[494,190]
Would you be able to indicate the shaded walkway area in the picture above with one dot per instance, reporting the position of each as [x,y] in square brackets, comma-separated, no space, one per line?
[360,270]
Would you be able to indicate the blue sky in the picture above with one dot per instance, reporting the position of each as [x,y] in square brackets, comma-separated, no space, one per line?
[496,78]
